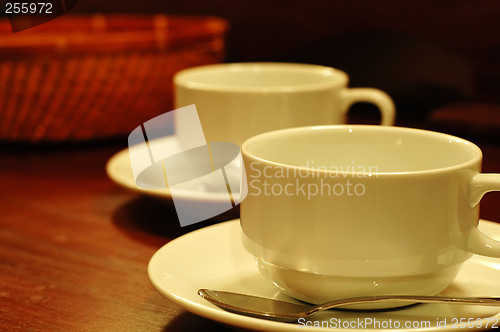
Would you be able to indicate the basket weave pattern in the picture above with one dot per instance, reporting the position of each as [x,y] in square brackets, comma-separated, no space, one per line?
[75,94]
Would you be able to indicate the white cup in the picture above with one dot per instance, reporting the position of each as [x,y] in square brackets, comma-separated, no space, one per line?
[341,211]
[237,101]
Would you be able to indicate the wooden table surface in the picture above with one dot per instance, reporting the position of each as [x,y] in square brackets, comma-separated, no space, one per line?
[74,247]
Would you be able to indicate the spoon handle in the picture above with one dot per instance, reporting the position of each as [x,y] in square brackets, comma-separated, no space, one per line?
[488,301]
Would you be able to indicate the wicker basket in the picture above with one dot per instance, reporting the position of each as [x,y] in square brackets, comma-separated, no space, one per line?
[79,78]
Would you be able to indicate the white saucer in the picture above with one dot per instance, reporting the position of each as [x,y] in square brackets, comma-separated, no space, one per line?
[213,257]
[119,170]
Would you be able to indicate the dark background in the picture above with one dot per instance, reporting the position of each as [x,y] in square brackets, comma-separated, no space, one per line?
[428,55]
[438,59]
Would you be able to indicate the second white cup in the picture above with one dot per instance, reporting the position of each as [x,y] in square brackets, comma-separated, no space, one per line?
[237,101]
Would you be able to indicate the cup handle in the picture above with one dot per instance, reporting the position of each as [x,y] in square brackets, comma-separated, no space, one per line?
[478,242]
[374,96]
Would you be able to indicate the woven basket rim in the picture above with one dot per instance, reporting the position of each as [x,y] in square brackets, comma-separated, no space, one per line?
[77,33]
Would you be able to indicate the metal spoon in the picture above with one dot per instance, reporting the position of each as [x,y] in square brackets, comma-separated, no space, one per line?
[285,311]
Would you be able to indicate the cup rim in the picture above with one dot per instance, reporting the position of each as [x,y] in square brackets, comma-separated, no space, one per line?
[184,78]
[476,157]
